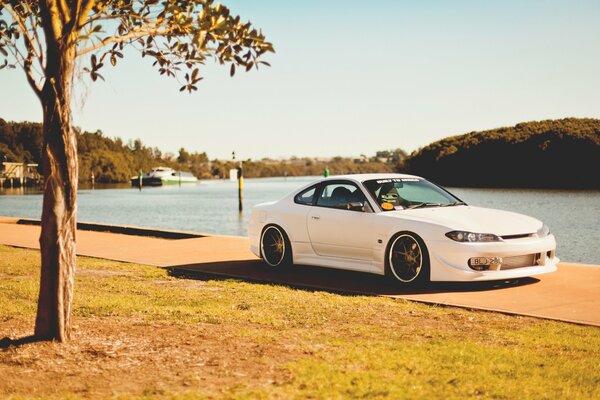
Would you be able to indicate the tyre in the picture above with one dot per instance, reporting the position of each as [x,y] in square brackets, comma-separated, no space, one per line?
[275,247]
[407,259]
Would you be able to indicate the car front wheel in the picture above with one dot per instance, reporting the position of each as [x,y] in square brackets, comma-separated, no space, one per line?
[275,247]
[407,259]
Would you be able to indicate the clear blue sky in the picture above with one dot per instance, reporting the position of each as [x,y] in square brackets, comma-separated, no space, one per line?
[355,77]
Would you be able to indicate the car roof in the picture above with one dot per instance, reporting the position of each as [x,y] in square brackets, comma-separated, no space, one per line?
[358,178]
[366,177]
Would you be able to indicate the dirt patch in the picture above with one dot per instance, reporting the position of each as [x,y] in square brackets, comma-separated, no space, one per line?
[113,357]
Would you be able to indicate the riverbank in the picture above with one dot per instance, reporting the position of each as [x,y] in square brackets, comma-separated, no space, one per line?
[140,333]
[211,207]
[571,294]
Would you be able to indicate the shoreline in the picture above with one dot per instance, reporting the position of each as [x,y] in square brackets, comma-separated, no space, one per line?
[170,234]
[130,230]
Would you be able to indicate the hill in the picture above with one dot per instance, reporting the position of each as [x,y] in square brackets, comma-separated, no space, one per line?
[561,153]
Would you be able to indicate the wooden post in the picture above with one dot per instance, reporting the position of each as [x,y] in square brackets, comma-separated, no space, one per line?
[240,188]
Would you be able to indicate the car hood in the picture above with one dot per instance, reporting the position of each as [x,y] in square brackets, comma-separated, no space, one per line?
[473,219]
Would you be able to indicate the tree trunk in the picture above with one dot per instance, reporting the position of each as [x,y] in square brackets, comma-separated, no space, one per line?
[59,159]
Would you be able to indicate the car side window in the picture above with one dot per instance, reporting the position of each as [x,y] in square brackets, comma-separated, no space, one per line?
[306,197]
[340,195]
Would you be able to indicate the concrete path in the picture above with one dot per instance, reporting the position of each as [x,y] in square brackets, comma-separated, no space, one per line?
[572,294]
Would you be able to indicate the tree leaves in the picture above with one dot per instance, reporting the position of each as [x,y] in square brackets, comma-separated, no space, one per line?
[179,35]
[95,66]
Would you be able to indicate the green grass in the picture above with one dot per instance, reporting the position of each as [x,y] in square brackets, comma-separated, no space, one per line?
[343,346]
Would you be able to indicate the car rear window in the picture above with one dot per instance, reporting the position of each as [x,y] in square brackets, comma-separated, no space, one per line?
[306,197]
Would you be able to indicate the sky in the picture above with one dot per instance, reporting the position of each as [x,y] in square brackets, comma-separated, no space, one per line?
[351,78]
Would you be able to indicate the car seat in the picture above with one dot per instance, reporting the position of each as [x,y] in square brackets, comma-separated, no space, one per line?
[340,197]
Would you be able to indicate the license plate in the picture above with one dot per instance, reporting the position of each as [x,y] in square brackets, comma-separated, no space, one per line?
[486,260]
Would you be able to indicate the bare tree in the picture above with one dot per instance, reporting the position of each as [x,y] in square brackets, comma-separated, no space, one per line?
[46,38]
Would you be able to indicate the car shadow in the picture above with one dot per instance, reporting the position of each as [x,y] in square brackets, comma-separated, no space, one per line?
[327,279]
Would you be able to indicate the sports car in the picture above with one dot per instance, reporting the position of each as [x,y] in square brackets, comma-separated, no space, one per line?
[402,226]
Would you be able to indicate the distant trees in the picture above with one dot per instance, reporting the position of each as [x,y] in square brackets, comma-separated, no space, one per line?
[20,142]
[305,166]
[184,156]
[112,161]
[196,163]
[561,153]
[553,154]
[394,157]
[109,159]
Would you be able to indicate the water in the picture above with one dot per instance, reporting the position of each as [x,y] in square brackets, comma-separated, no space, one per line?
[211,207]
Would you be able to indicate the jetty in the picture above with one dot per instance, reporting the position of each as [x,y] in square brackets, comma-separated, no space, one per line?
[16,174]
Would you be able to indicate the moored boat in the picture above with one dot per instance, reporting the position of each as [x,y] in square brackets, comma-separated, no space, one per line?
[163,176]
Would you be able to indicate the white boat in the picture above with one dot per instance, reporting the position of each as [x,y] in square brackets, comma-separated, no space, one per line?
[164,176]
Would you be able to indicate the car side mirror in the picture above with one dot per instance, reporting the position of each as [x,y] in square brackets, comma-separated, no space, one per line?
[356,206]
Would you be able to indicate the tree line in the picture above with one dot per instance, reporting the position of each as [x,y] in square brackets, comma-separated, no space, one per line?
[112,161]
[109,159]
[561,153]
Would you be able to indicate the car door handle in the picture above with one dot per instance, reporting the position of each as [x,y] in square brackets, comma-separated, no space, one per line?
[315,217]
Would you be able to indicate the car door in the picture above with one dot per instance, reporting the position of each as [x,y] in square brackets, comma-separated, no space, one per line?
[337,231]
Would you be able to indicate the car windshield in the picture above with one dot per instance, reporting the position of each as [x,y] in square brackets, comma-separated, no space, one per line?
[406,193]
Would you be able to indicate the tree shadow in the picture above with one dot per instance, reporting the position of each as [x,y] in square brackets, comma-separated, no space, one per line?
[7,342]
[327,279]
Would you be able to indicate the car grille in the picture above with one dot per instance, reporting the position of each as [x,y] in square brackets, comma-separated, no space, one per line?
[520,261]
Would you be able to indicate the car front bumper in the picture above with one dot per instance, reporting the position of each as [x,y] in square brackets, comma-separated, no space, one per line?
[449,259]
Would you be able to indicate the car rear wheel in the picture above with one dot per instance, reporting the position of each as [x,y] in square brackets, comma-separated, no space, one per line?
[408,259]
[275,247]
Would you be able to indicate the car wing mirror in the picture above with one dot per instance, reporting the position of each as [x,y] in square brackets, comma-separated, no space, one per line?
[356,206]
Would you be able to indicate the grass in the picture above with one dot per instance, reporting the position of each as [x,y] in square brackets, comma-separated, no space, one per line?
[141,334]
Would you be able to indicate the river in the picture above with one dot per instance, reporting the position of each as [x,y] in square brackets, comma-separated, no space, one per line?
[211,207]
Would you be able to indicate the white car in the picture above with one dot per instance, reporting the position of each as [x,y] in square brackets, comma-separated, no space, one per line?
[398,225]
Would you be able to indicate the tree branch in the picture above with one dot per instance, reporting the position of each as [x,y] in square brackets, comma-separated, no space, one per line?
[31,51]
[105,17]
[25,63]
[83,10]
[63,8]
[37,89]
[23,25]
[51,17]
[131,35]
[36,37]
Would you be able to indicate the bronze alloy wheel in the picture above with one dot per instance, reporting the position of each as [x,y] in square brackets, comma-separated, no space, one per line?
[273,246]
[406,258]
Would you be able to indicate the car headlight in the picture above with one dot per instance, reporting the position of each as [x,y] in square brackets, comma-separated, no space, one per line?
[543,231]
[470,237]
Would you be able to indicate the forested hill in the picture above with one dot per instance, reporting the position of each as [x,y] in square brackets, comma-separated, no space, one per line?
[561,153]
[109,159]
